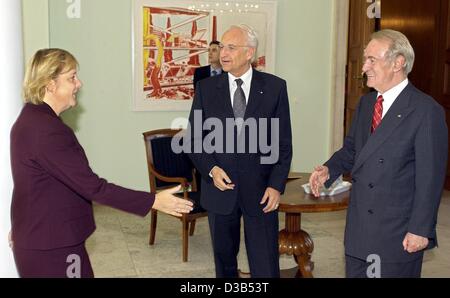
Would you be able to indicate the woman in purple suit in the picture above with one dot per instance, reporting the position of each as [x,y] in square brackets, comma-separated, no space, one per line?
[54,186]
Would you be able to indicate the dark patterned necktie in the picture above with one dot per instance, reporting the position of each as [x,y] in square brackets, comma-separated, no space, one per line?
[239,103]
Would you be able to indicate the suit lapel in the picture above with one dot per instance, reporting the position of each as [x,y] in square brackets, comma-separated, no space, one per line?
[256,94]
[398,112]
[207,71]
[368,119]
[223,96]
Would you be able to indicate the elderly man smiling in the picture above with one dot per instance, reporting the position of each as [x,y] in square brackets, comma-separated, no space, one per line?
[238,184]
[396,152]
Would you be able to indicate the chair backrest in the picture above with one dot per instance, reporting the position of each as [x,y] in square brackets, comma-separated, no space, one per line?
[163,161]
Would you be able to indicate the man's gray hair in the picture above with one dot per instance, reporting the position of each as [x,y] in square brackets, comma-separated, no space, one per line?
[399,46]
[252,37]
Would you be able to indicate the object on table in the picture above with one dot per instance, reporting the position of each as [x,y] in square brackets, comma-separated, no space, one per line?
[337,187]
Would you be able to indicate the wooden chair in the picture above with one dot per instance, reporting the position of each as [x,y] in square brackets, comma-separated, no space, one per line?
[167,169]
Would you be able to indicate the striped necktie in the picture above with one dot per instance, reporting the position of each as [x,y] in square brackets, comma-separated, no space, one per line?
[377,113]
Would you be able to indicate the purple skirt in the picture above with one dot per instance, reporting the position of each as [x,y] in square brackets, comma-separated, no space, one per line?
[65,262]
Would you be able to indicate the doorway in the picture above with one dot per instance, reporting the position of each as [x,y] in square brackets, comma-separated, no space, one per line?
[427,26]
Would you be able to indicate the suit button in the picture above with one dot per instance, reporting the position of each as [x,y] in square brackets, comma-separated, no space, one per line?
[381,160]
[371,185]
[370,211]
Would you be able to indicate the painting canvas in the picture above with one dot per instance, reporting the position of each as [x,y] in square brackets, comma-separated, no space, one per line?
[171,38]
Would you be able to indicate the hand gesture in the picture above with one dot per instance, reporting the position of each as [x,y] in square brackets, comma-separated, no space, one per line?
[318,178]
[273,197]
[413,243]
[166,202]
[221,179]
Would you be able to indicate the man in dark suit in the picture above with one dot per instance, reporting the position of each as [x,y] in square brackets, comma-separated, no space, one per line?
[214,68]
[396,152]
[245,184]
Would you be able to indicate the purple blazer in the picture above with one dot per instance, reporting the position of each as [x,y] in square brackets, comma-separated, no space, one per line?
[54,186]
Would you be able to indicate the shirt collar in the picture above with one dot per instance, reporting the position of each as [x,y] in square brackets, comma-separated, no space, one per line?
[393,93]
[246,77]
[218,70]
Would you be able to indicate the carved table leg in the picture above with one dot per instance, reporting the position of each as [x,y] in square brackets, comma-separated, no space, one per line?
[294,241]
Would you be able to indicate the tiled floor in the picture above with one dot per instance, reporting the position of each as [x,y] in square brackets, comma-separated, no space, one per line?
[119,247]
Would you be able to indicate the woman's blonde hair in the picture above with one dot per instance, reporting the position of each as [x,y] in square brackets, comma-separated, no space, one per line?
[44,66]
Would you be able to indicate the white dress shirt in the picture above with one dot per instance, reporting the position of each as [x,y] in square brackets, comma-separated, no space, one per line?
[217,70]
[246,78]
[391,95]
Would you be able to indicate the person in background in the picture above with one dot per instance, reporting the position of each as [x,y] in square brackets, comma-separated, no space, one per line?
[214,68]
[54,186]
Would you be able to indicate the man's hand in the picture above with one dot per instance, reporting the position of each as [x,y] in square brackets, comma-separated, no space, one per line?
[273,196]
[413,243]
[221,179]
[166,202]
[320,175]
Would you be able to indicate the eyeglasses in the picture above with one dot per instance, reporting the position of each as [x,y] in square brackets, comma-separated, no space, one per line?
[231,47]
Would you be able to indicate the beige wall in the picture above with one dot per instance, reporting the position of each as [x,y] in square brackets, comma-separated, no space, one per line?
[111,133]
[35,26]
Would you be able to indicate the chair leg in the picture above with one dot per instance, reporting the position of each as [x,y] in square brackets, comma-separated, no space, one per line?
[192,228]
[185,240]
[153,220]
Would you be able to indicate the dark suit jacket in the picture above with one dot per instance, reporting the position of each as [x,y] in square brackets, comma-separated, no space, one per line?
[201,73]
[398,175]
[268,99]
[54,185]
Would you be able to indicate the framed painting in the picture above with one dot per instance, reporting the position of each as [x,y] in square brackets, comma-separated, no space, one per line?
[171,38]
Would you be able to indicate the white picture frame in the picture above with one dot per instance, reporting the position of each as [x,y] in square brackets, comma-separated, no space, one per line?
[170,39]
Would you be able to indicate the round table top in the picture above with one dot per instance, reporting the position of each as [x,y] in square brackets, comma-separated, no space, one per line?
[295,200]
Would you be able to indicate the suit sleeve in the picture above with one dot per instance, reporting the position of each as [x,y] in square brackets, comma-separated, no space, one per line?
[280,171]
[431,150]
[203,161]
[343,160]
[60,154]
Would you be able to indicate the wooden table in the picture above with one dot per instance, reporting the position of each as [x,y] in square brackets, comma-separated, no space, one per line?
[293,240]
